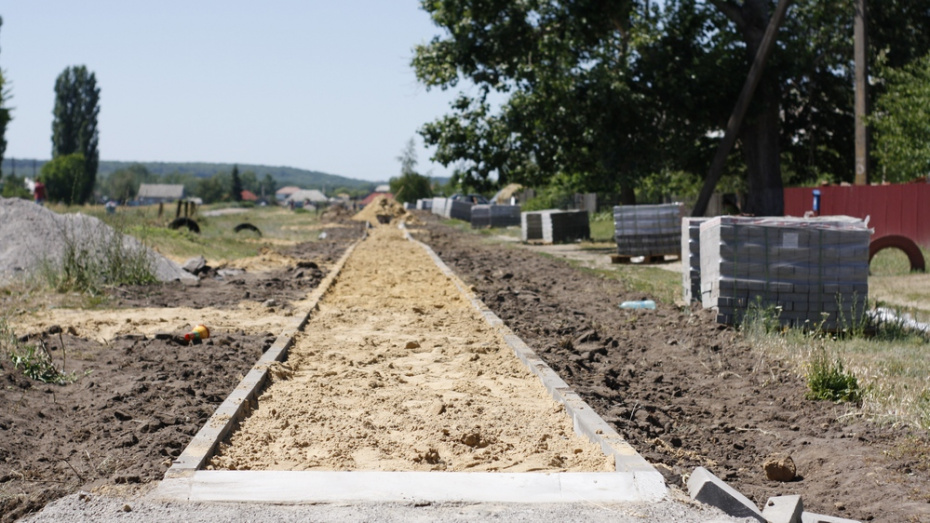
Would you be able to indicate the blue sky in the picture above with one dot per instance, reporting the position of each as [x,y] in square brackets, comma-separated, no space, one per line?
[321,85]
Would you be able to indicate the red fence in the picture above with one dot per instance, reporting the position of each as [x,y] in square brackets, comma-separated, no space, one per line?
[902,209]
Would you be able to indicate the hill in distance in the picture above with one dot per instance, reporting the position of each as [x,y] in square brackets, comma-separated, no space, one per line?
[283,175]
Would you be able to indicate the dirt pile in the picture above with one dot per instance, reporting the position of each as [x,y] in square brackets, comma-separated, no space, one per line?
[388,209]
[31,235]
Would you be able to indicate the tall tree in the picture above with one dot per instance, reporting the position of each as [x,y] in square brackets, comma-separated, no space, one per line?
[235,184]
[74,128]
[5,116]
[902,122]
[410,185]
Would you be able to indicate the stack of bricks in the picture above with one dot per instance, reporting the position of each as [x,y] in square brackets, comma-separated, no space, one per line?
[554,226]
[441,207]
[425,205]
[812,271]
[460,210]
[691,257]
[483,215]
[648,230]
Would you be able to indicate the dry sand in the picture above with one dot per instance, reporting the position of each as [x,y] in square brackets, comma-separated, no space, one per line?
[397,372]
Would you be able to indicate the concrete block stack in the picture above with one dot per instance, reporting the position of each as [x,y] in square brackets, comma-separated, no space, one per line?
[554,226]
[425,204]
[815,270]
[648,230]
[691,257]
[440,207]
[460,210]
[483,215]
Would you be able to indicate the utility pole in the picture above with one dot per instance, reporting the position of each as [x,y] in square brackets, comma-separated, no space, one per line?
[860,45]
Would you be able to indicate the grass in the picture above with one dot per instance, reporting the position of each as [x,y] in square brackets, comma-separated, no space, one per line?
[881,366]
[33,361]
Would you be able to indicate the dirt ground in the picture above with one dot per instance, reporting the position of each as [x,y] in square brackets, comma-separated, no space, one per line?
[142,393]
[685,391]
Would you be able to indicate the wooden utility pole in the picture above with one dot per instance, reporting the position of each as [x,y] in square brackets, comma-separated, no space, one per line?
[860,34]
[739,112]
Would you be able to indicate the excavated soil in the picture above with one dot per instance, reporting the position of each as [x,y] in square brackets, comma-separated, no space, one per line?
[685,391]
[397,371]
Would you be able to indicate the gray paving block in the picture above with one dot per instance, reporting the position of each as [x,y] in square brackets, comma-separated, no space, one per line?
[810,517]
[707,488]
[783,509]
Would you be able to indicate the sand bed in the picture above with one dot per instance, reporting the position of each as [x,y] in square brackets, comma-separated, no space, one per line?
[397,372]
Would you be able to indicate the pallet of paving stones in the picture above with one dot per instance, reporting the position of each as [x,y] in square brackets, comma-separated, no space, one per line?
[425,204]
[554,226]
[484,216]
[440,207]
[648,230]
[810,272]
[691,257]
[460,210]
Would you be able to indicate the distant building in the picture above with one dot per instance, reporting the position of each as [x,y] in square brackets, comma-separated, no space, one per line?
[248,196]
[374,195]
[307,195]
[284,192]
[152,193]
[383,188]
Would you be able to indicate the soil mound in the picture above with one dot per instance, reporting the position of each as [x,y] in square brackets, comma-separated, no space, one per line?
[32,235]
[388,208]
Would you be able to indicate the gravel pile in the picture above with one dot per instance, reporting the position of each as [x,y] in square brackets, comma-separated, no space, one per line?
[31,235]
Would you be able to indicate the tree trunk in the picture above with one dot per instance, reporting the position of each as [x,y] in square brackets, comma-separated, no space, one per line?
[759,134]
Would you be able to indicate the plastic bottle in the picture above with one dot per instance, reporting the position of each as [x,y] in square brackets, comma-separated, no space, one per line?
[199,333]
[638,304]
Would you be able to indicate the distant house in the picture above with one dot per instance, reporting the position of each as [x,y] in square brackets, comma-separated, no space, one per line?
[152,193]
[284,192]
[307,195]
[374,195]
[383,188]
[248,196]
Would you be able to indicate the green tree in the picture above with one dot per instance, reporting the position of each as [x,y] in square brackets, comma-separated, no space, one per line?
[268,187]
[235,185]
[123,184]
[66,178]
[410,185]
[15,187]
[74,128]
[901,122]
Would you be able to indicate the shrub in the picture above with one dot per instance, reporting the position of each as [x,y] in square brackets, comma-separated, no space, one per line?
[827,379]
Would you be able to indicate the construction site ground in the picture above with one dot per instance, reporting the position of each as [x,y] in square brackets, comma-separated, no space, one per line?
[684,391]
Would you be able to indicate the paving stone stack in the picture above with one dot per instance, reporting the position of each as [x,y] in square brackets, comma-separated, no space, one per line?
[483,215]
[440,206]
[691,257]
[648,230]
[460,210]
[425,205]
[554,226]
[814,269]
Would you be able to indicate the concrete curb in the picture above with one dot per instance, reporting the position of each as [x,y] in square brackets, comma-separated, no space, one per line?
[647,480]
[243,398]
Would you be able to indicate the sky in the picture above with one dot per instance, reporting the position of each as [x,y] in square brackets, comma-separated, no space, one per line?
[314,84]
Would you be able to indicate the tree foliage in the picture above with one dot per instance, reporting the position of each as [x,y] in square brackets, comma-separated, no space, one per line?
[901,122]
[5,115]
[605,94]
[123,184]
[74,128]
[410,185]
[235,184]
[66,179]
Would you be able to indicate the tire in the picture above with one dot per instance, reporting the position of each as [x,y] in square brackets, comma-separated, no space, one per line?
[247,227]
[903,243]
[185,222]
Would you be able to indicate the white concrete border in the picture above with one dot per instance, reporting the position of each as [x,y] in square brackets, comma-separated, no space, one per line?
[634,480]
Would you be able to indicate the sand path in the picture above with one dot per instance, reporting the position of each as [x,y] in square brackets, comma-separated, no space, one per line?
[397,372]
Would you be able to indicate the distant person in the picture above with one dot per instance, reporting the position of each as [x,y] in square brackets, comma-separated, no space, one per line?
[39,193]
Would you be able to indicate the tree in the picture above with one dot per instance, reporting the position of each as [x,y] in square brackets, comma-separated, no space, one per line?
[66,178]
[410,185]
[123,184]
[5,115]
[235,185]
[268,186]
[901,122]
[74,128]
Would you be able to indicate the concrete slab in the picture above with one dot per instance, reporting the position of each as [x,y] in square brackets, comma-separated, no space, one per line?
[809,517]
[708,488]
[783,509]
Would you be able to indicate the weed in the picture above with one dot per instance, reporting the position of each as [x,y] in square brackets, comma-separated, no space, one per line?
[827,379]
[34,362]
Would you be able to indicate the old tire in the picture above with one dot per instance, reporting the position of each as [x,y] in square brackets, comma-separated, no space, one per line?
[185,222]
[247,227]
[903,243]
